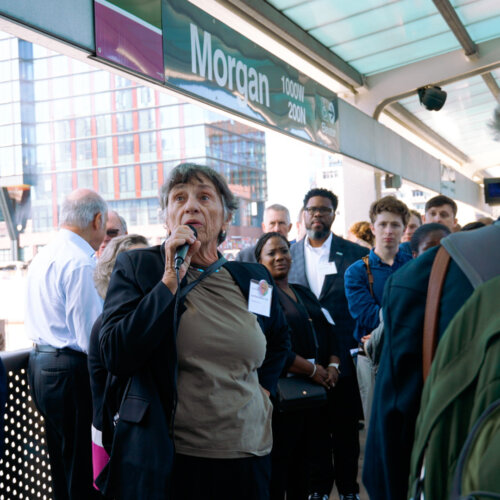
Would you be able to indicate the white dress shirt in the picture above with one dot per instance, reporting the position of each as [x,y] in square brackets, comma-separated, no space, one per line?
[316,259]
[62,302]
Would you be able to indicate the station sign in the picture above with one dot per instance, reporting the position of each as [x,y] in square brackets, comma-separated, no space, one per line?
[181,46]
[208,59]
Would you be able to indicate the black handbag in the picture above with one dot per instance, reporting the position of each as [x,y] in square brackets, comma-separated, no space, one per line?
[299,392]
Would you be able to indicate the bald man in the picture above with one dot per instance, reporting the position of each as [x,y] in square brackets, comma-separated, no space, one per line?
[61,306]
[115,226]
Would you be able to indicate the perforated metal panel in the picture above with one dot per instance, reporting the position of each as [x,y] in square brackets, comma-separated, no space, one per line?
[25,468]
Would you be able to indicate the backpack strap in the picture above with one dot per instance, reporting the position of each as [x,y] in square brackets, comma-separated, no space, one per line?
[366,260]
[431,318]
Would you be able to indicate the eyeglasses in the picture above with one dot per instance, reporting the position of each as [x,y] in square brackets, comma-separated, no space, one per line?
[112,233]
[320,210]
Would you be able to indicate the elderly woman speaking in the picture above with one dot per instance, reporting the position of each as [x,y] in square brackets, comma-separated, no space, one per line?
[202,357]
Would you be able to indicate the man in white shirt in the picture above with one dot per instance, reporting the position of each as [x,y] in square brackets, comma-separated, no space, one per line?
[319,262]
[62,305]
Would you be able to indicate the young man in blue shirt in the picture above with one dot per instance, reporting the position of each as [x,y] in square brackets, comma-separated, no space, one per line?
[389,217]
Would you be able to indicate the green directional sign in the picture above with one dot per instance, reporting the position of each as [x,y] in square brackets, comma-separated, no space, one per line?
[207,59]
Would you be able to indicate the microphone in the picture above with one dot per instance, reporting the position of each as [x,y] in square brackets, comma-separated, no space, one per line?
[181,252]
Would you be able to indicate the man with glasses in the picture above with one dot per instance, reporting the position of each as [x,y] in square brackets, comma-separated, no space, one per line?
[116,226]
[319,262]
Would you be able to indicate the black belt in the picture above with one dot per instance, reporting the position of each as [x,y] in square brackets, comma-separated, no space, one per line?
[56,350]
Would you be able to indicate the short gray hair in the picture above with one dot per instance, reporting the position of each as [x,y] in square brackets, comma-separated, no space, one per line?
[106,262]
[279,208]
[183,173]
[80,211]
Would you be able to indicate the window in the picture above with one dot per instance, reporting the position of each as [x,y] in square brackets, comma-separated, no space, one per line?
[63,155]
[105,151]
[149,180]
[103,123]
[147,144]
[123,99]
[127,182]
[84,153]
[126,148]
[64,185]
[124,122]
[147,119]
[82,127]
[85,179]
[106,182]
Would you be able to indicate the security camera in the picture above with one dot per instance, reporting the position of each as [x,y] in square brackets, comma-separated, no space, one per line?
[432,97]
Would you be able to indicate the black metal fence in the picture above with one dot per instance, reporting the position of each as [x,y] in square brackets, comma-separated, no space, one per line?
[24,468]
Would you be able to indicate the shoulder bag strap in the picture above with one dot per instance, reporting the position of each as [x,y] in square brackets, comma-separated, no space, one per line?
[311,324]
[431,318]
[208,271]
[366,260]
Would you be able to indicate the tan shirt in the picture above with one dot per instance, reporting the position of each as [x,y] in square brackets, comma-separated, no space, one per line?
[222,411]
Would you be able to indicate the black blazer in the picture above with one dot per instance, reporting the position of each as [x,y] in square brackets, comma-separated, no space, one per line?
[326,334]
[332,297]
[136,342]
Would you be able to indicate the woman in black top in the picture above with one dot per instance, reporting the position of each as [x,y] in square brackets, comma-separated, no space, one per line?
[300,437]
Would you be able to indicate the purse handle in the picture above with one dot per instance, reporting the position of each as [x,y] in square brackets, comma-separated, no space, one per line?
[434,291]
[313,331]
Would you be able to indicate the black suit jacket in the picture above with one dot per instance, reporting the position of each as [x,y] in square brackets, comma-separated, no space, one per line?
[136,341]
[332,297]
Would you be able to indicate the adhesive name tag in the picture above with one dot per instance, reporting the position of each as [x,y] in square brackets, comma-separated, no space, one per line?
[328,316]
[259,298]
[327,268]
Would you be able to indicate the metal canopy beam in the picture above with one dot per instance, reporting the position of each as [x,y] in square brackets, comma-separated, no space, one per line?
[272,22]
[449,14]
[492,85]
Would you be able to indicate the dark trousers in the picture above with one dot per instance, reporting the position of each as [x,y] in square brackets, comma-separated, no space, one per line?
[299,439]
[60,388]
[221,479]
[344,410]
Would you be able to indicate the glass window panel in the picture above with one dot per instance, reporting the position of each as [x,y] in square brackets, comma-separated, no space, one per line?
[43,158]
[126,148]
[62,108]
[62,130]
[6,113]
[6,71]
[145,97]
[42,110]
[102,102]
[61,87]
[123,99]
[81,84]
[59,65]
[170,144]
[85,179]
[106,182]
[64,184]
[84,153]
[103,123]
[105,151]
[42,218]
[42,132]
[127,182]
[101,81]
[147,119]
[81,105]
[193,115]
[169,116]
[166,99]
[147,144]
[82,127]
[63,155]
[124,122]
[121,82]
[149,180]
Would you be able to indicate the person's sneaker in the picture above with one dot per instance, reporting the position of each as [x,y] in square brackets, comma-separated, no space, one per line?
[317,496]
[349,496]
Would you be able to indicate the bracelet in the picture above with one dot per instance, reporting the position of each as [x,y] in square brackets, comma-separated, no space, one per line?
[314,372]
[336,365]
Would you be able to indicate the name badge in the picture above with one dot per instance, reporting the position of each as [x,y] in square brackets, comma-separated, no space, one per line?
[328,316]
[259,298]
[327,268]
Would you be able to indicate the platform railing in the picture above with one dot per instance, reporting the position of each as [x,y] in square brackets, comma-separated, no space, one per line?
[24,468]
